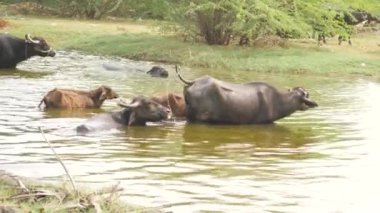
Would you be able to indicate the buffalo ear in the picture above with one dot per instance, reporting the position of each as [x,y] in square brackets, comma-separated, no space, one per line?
[309,102]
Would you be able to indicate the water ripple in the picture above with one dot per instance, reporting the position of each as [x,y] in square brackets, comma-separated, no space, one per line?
[321,160]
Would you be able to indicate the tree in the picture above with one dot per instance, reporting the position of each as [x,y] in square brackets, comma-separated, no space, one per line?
[217,21]
[93,9]
[149,9]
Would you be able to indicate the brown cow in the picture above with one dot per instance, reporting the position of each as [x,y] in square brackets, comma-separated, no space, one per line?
[174,102]
[69,99]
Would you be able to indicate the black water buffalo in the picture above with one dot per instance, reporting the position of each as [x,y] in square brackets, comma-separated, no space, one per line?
[213,101]
[356,17]
[137,113]
[158,71]
[14,50]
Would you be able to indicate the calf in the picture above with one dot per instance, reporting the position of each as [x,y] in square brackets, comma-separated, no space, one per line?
[137,113]
[176,103]
[69,99]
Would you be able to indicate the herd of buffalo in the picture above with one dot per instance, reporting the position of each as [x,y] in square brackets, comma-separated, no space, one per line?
[206,99]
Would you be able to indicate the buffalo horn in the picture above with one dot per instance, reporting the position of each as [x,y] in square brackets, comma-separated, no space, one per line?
[29,38]
[122,103]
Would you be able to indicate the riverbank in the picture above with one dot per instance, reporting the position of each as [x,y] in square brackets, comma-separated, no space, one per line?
[19,194]
[141,40]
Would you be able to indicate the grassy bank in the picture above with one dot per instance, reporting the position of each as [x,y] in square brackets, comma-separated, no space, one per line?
[22,195]
[141,41]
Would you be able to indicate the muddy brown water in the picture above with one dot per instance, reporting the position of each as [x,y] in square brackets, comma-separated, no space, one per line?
[321,160]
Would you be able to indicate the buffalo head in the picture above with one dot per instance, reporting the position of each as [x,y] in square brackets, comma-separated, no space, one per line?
[158,71]
[38,46]
[107,93]
[173,101]
[302,96]
[143,109]
[136,113]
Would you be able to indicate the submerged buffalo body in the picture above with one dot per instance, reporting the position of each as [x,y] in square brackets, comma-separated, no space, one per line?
[157,71]
[137,113]
[213,101]
[14,50]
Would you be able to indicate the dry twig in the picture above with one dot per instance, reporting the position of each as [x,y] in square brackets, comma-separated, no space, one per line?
[59,159]
[21,185]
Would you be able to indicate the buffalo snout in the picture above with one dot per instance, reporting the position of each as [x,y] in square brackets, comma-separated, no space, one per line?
[175,102]
[107,92]
[145,110]
[51,53]
[167,114]
[113,95]
[157,112]
[308,103]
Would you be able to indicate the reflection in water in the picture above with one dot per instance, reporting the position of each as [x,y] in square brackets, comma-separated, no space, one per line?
[142,133]
[70,113]
[264,136]
[321,160]
[21,73]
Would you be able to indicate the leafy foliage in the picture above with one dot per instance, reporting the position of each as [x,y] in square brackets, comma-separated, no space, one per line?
[93,9]
[221,22]
[148,9]
[218,21]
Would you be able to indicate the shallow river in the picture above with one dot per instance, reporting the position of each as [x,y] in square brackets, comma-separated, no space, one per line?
[322,160]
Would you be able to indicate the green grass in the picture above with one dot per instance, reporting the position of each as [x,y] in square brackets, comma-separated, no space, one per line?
[292,59]
[141,41]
